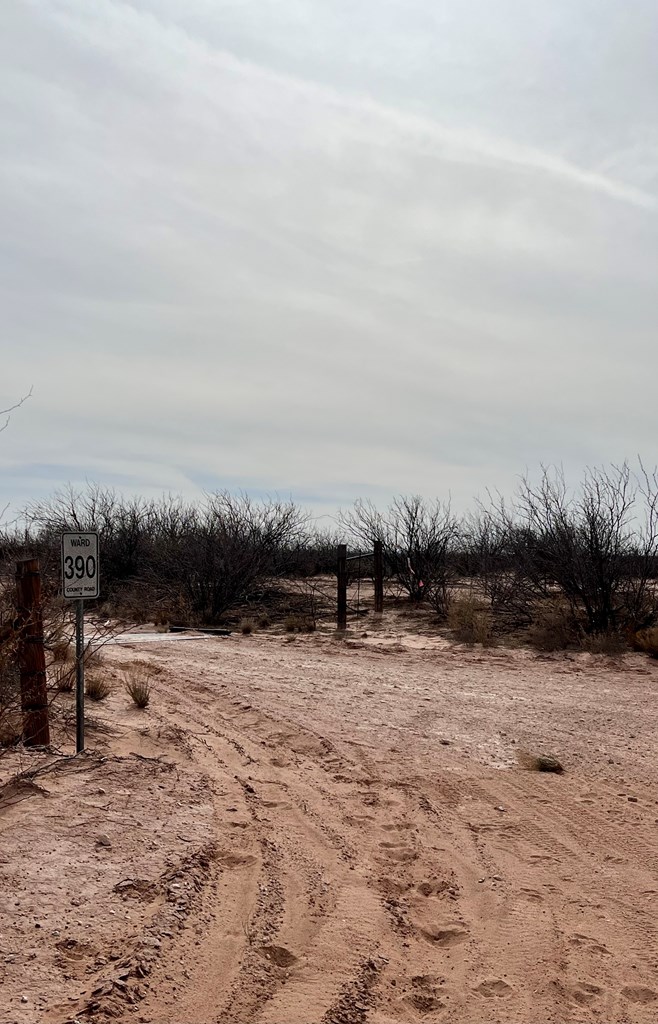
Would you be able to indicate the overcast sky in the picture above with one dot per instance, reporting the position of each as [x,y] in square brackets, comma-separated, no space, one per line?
[326,248]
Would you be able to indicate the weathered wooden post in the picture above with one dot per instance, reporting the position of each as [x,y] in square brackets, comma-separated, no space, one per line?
[31,654]
[341,602]
[379,577]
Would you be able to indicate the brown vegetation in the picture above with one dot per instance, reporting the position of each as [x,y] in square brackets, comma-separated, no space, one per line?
[97,687]
[470,621]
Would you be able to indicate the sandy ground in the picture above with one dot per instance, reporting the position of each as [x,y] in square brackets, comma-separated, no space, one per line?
[314,831]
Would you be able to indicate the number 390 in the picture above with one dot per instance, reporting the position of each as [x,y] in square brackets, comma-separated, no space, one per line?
[78,567]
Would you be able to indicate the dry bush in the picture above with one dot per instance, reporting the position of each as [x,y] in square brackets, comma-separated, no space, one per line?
[646,641]
[246,627]
[298,624]
[11,729]
[470,621]
[605,643]
[263,622]
[553,627]
[96,687]
[11,721]
[10,694]
[137,683]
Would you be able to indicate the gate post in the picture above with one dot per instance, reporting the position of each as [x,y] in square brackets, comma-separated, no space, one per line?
[341,602]
[379,577]
[31,654]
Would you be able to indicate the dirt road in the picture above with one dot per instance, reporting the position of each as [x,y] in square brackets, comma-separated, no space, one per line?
[364,847]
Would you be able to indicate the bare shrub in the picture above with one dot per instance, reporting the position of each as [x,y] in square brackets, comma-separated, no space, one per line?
[219,555]
[470,621]
[247,627]
[179,561]
[596,546]
[97,687]
[419,543]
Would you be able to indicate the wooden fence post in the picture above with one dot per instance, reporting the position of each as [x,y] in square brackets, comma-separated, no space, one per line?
[31,654]
[341,603]
[379,577]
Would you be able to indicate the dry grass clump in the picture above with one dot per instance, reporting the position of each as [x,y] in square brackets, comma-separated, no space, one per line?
[539,762]
[97,687]
[137,683]
[247,627]
[139,691]
[94,657]
[470,621]
[63,678]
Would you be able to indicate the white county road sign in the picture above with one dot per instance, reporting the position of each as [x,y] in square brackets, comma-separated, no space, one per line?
[80,577]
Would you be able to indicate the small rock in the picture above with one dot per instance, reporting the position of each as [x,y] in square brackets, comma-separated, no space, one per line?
[632,799]
[444,743]
[103,840]
[500,808]
[496,878]
[23,999]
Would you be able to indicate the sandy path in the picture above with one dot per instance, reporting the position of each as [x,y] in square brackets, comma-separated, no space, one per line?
[382,858]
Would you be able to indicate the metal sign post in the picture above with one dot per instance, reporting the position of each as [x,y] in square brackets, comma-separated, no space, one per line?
[79,676]
[80,583]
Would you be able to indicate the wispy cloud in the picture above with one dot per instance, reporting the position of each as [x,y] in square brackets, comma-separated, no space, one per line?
[238,250]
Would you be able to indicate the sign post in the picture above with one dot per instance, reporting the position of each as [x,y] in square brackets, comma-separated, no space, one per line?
[80,583]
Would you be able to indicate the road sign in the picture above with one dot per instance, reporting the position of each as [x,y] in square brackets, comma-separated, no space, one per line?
[80,576]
